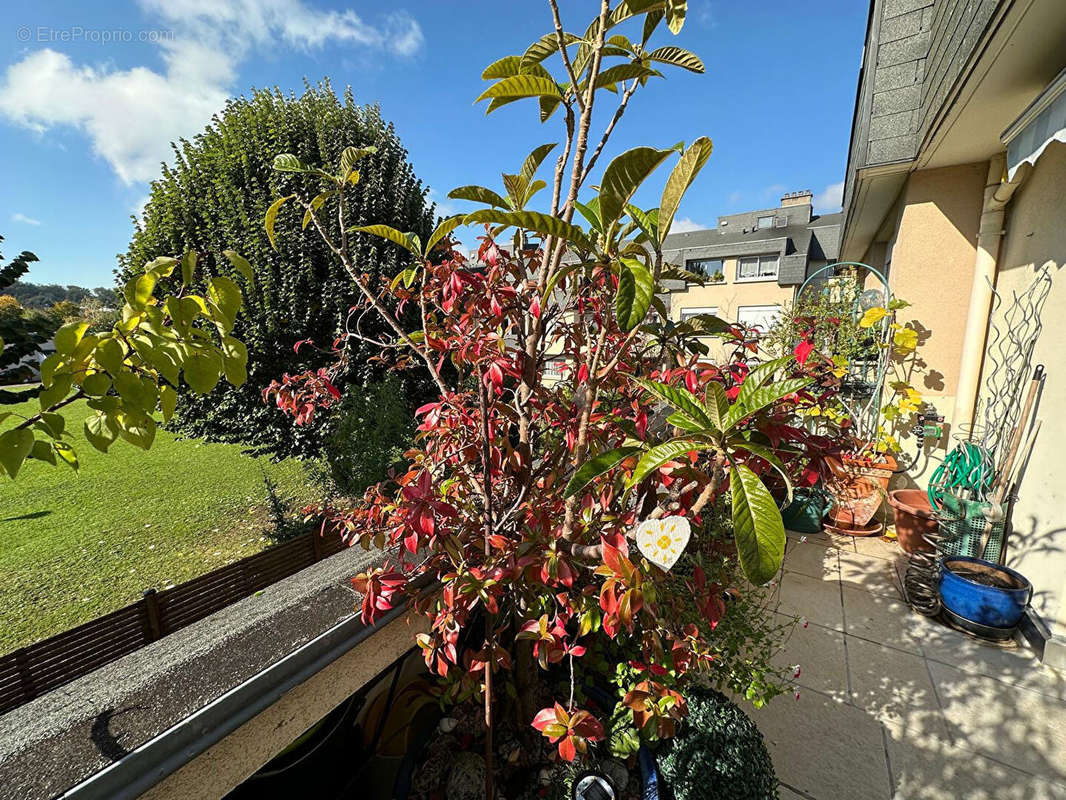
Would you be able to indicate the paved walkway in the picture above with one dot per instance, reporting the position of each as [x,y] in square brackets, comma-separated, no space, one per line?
[893,705]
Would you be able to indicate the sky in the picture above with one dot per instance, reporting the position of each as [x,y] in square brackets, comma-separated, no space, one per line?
[92,94]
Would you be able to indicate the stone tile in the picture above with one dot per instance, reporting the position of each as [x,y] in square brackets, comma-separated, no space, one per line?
[819,652]
[870,573]
[1018,665]
[876,546]
[813,560]
[895,689]
[1011,725]
[824,749]
[811,599]
[882,619]
[946,772]
[824,539]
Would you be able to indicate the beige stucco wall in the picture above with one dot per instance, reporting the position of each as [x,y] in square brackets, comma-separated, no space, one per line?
[931,266]
[729,296]
[1035,237]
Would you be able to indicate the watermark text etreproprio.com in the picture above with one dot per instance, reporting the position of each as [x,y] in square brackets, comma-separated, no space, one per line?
[77,33]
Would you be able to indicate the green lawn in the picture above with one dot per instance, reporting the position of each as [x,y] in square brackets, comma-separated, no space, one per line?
[73,547]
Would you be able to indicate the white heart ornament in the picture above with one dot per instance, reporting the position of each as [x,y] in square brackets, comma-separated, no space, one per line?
[662,541]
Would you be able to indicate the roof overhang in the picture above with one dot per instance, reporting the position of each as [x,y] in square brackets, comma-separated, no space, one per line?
[875,193]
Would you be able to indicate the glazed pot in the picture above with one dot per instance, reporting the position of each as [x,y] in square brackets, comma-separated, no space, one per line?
[914,519]
[983,592]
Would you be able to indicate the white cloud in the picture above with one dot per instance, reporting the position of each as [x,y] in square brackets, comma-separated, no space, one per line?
[831,198]
[17,217]
[735,198]
[685,224]
[132,115]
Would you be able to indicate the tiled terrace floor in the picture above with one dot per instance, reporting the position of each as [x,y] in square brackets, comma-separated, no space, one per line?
[893,705]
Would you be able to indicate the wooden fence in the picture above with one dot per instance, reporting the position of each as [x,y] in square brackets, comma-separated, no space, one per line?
[38,668]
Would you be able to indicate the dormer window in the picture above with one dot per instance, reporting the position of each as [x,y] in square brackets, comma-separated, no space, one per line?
[765,223]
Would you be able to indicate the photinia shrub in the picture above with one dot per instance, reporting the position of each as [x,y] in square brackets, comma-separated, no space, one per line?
[570,410]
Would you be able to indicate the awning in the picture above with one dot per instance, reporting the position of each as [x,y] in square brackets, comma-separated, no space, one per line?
[1042,123]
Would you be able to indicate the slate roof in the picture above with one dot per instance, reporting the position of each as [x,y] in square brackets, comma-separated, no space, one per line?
[797,245]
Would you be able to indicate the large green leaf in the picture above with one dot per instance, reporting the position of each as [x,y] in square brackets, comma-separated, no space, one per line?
[675,15]
[717,404]
[67,337]
[99,433]
[240,263]
[624,72]
[660,454]
[505,67]
[203,371]
[446,226]
[544,224]
[405,240]
[636,286]
[287,162]
[479,194]
[350,155]
[681,177]
[15,446]
[647,221]
[757,526]
[595,467]
[623,177]
[758,376]
[271,217]
[678,57]
[522,86]
[765,396]
[545,47]
[535,159]
[683,401]
[591,212]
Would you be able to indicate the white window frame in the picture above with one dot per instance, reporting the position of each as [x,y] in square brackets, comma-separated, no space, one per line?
[760,258]
[771,307]
[759,222]
[693,311]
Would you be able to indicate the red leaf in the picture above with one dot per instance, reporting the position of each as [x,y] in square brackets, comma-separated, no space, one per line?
[803,351]
[566,748]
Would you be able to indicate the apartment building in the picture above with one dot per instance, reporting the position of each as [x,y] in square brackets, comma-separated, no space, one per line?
[754,261]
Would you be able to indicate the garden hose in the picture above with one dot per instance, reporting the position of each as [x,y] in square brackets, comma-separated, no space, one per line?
[967,468]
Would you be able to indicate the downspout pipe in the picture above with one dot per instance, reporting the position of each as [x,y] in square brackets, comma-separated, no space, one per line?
[998,193]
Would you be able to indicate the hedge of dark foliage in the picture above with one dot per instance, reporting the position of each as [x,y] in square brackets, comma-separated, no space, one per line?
[214,196]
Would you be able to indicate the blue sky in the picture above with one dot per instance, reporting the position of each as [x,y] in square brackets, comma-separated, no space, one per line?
[89,100]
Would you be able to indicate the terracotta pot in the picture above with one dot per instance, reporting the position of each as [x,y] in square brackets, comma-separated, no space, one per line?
[879,467]
[855,500]
[914,519]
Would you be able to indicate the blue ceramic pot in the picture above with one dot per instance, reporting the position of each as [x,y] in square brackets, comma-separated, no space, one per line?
[995,606]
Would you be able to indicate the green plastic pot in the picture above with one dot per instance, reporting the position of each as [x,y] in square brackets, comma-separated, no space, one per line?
[804,514]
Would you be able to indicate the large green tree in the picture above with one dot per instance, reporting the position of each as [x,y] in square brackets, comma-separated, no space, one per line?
[22,334]
[215,195]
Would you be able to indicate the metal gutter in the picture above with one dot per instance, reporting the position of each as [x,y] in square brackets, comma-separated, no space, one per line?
[163,755]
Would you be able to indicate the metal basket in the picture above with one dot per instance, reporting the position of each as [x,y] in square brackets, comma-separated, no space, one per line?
[964,524]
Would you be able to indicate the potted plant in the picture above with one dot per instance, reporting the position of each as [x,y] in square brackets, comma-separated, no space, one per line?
[718,277]
[864,364]
[557,516]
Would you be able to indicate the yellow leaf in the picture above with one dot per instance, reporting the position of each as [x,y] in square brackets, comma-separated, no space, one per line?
[873,316]
[906,339]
